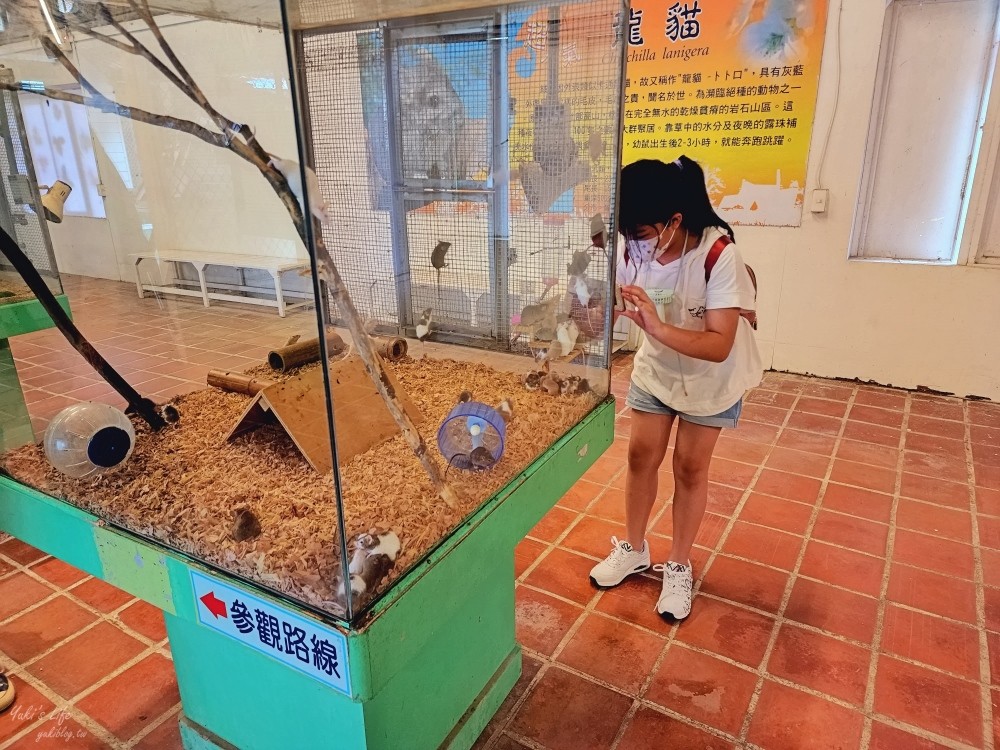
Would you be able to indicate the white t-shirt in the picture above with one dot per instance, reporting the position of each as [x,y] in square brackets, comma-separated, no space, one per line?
[696,386]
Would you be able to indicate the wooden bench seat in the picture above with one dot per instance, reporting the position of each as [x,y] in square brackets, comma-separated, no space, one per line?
[274,266]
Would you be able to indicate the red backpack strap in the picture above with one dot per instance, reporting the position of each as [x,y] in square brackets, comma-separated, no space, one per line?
[714,252]
[713,257]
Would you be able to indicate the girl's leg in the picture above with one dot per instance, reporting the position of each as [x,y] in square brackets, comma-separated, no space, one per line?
[646,448]
[692,457]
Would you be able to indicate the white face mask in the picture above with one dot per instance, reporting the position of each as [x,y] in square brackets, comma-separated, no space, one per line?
[646,251]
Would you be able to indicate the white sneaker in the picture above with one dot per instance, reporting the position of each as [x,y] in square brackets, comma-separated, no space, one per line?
[675,596]
[620,564]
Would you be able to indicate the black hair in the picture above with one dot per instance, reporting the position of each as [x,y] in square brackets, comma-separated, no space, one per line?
[653,191]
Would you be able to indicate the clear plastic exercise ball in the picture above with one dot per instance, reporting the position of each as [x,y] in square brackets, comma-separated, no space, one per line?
[85,440]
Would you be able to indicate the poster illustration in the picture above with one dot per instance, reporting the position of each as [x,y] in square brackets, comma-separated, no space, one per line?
[561,96]
[732,84]
[563,81]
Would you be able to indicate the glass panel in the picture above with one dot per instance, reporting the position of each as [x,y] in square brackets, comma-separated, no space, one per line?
[460,164]
[467,161]
[343,74]
[193,276]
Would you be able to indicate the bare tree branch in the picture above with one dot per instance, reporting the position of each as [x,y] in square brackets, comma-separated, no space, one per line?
[225,140]
[102,103]
[57,53]
[250,150]
[183,79]
[137,48]
[147,16]
[224,123]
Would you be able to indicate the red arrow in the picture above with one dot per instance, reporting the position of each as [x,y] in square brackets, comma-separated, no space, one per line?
[215,605]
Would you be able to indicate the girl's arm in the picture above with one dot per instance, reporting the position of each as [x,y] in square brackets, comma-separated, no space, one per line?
[713,344]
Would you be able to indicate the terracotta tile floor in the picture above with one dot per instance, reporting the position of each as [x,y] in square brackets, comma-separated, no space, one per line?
[848,575]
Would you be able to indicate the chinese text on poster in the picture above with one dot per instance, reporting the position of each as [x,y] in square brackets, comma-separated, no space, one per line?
[731,84]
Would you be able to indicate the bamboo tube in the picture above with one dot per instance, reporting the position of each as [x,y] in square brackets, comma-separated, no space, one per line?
[391,348]
[237,382]
[303,352]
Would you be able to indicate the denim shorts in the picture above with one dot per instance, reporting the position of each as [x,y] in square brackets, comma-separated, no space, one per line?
[639,400]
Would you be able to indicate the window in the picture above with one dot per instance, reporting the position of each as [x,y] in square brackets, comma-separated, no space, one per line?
[983,238]
[62,149]
[936,65]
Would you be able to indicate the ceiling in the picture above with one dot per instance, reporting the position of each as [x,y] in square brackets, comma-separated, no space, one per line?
[25,18]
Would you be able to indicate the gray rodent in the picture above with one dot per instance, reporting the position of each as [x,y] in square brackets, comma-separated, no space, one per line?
[437,260]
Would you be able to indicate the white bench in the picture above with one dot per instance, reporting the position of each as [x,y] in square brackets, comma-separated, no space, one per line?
[198,259]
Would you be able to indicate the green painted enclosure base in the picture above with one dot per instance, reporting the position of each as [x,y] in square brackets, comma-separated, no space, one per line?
[194,737]
[26,317]
[428,666]
[462,737]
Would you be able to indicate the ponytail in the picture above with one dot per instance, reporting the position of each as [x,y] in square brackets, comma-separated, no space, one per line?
[700,212]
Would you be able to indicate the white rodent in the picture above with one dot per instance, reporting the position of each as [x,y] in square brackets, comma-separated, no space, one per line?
[290,170]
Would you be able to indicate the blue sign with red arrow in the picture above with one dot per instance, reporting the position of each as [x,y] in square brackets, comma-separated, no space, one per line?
[308,646]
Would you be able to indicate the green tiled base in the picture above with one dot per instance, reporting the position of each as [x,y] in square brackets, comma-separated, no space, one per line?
[16,319]
[15,424]
[27,317]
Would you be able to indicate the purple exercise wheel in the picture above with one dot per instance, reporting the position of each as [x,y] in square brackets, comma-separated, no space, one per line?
[470,426]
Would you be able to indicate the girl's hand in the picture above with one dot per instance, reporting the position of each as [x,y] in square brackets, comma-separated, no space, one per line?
[644,314]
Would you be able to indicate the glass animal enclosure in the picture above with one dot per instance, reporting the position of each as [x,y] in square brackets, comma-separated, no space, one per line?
[330,366]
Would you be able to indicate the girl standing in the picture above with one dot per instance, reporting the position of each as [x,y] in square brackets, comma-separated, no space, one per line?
[685,284]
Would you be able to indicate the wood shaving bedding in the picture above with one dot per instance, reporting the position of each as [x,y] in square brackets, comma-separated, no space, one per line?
[183,485]
[14,291]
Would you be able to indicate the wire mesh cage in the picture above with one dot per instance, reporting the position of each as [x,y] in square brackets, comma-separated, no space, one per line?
[342,75]
[20,199]
[465,157]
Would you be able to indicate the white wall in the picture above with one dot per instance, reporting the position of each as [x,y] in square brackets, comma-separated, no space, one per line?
[85,247]
[893,323]
[187,194]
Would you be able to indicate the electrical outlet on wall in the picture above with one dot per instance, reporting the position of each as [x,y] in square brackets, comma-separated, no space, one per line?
[820,199]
